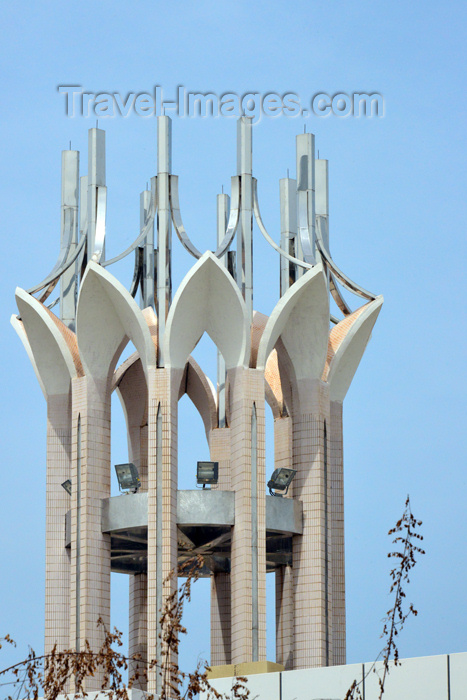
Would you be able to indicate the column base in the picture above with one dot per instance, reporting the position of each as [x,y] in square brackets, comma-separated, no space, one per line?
[248,668]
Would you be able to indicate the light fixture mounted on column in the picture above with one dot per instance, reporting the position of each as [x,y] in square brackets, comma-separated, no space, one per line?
[281,480]
[207,473]
[67,486]
[128,477]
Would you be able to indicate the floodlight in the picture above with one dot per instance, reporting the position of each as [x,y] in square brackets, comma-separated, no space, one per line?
[67,486]
[128,477]
[207,473]
[281,480]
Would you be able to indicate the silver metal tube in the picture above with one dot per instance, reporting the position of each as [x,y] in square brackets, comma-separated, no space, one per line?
[69,228]
[305,145]
[288,204]
[164,227]
[245,239]
[322,189]
[322,202]
[147,292]
[83,206]
[223,205]
[96,179]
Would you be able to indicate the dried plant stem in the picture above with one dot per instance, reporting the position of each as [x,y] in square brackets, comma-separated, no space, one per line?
[51,675]
[396,617]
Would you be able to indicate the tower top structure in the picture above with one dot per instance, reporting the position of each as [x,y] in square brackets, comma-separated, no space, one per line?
[300,360]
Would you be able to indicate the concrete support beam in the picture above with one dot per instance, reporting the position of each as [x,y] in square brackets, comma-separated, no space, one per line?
[138,628]
[311,551]
[90,570]
[284,617]
[248,569]
[221,643]
[336,467]
[162,505]
[283,457]
[57,558]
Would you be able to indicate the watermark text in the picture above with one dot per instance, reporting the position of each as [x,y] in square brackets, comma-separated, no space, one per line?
[185,103]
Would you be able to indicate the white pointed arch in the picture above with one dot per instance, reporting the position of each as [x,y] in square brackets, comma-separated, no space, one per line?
[200,390]
[301,320]
[107,316]
[19,328]
[350,350]
[52,358]
[207,300]
[130,386]
[272,400]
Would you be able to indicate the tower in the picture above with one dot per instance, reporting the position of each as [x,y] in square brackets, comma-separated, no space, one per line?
[301,360]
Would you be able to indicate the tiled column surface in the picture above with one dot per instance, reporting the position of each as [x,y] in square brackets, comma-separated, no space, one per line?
[162,491]
[138,637]
[138,607]
[220,583]
[336,464]
[283,457]
[220,620]
[134,394]
[143,457]
[283,454]
[90,573]
[284,616]
[311,551]
[58,502]
[247,388]
[219,446]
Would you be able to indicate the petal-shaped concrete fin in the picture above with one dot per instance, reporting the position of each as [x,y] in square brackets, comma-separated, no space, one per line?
[131,388]
[207,300]
[107,315]
[19,328]
[301,319]
[349,351]
[53,359]
[202,393]
[258,324]
[273,385]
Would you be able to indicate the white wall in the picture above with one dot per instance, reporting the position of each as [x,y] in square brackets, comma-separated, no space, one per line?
[423,678]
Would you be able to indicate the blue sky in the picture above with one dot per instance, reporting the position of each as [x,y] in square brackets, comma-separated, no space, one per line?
[397,226]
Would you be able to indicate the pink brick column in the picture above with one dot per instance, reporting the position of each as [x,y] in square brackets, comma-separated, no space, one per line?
[337,534]
[248,564]
[311,551]
[90,571]
[58,502]
[143,457]
[138,593]
[138,627]
[162,495]
[283,453]
[221,646]
[284,616]
[220,583]
[283,457]
[132,388]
